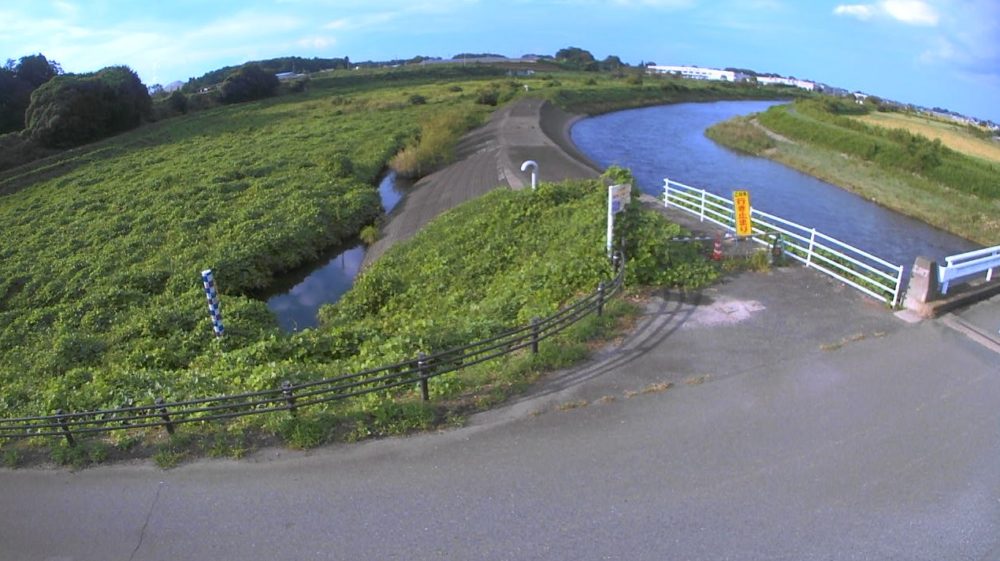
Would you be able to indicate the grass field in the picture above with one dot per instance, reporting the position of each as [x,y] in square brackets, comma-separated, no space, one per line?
[958,137]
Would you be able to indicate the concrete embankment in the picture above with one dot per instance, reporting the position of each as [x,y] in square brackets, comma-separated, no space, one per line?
[490,157]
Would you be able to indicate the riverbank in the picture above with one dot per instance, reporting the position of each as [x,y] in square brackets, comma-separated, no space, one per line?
[971,215]
[487,158]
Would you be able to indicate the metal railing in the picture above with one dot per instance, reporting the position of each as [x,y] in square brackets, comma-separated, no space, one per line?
[291,397]
[856,268]
[968,264]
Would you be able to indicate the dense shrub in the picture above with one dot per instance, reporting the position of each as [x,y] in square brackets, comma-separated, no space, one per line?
[248,83]
[178,102]
[74,109]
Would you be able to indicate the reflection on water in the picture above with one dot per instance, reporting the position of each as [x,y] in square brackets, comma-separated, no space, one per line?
[669,141]
[299,294]
[297,308]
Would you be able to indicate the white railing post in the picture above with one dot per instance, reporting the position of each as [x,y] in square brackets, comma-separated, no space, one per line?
[812,244]
[899,284]
[701,215]
[666,192]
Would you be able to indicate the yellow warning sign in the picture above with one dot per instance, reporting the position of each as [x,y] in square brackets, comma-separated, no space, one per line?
[741,202]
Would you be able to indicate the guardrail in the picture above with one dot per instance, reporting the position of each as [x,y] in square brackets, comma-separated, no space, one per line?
[856,268]
[291,397]
[968,264]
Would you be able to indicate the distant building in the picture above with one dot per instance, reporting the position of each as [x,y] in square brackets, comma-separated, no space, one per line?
[698,73]
[282,76]
[781,81]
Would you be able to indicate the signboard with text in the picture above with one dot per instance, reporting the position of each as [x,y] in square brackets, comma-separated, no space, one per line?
[618,197]
[741,204]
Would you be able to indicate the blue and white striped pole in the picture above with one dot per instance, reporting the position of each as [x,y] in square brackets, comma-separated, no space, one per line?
[213,301]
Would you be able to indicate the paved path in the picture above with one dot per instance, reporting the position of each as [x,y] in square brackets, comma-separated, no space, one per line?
[487,158]
[804,422]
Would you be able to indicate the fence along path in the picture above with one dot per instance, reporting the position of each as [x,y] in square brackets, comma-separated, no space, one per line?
[856,268]
[290,397]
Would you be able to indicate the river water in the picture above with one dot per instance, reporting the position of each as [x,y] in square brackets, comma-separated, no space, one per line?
[296,296]
[669,141]
[657,142]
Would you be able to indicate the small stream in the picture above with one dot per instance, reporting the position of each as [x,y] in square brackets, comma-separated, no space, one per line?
[297,295]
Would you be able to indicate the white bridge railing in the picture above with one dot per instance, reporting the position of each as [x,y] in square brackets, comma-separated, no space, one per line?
[869,274]
[967,264]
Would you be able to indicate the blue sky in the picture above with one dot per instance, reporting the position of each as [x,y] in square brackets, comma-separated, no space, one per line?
[930,52]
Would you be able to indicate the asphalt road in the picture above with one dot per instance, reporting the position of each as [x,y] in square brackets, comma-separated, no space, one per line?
[804,422]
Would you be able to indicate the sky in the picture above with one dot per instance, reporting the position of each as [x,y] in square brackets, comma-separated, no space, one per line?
[943,53]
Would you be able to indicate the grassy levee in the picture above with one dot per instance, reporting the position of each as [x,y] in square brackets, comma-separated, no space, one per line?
[903,171]
[101,301]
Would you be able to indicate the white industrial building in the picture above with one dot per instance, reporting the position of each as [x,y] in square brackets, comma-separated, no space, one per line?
[698,73]
[779,81]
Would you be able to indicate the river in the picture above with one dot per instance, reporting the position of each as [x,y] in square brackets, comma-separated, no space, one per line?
[296,296]
[669,141]
[657,142]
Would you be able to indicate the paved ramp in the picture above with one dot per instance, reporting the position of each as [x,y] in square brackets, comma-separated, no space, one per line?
[488,158]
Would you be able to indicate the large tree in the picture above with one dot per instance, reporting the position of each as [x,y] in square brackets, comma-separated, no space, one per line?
[17,81]
[73,109]
[247,83]
[577,58]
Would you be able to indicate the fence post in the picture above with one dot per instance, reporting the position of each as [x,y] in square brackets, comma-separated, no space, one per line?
[424,374]
[60,415]
[600,298]
[899,286]
[286,391]
[162,409]
[701,215]
[812,244]
[535,322]
[666,192]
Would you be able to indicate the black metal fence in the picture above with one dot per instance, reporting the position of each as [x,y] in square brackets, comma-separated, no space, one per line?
[290,397]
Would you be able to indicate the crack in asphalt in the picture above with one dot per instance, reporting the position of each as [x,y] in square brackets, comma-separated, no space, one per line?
[142,532]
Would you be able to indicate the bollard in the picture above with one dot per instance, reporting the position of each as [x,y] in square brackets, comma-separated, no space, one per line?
[286,391]
[778,251]
[424,374]
[60,415]
[535,329]
[214,307]
[600,298]
[161,407]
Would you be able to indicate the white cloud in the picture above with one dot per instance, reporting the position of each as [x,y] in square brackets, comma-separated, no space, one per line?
[910,12]
[316,42]
[667,4]
[365,21]
[913,12]
[860,11]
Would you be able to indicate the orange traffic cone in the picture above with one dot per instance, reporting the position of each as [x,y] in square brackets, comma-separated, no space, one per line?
[717,249]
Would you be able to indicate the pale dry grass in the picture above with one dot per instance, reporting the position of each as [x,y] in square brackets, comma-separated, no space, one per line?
[952,134]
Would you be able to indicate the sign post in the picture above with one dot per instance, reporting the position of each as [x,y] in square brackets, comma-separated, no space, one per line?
[618,197]
[741,203]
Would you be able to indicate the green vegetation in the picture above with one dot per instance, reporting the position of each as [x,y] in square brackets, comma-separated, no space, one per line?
[74,109]
[964,138]
[17,82]
[248,83]
[742,134]
[101,302]
[895,167]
